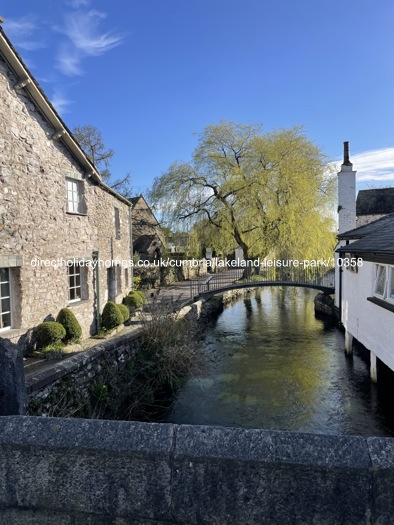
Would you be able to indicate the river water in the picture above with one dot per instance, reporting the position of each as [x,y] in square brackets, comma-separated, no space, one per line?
[270,363]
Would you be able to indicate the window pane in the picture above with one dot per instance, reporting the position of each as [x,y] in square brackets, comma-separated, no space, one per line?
[74,195]
[380,280]
[4,275]
[391,287]
[5,320]
[5,290]
[74,282]
[5,305]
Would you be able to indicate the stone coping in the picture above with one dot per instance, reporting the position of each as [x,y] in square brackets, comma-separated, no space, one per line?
[111,472]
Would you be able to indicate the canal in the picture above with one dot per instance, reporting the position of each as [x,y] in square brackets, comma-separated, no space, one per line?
[270,363]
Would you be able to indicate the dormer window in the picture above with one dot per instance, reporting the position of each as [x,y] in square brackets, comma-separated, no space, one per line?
[75,201]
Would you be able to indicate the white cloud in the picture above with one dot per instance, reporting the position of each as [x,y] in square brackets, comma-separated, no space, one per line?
[68,60]
[23,32]
[373,165]
[83,31]
[60,102]
[86,39]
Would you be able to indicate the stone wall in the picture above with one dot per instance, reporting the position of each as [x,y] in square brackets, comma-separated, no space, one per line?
[35,222]
[80,472]
[71,387]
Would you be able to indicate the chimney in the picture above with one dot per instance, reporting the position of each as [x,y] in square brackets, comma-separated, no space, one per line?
[346,159]
[346,193]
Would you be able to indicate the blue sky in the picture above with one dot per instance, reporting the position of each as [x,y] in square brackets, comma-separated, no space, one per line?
[149,74]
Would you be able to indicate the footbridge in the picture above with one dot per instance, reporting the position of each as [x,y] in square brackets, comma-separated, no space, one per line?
[318,278]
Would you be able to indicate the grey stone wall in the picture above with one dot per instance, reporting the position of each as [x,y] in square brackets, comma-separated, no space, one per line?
[67,388]
[35,222]
[116,473]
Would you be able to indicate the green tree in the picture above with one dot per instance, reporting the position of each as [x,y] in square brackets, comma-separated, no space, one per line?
[263,192]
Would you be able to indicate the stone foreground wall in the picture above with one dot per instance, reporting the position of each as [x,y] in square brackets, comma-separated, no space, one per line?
[80,472]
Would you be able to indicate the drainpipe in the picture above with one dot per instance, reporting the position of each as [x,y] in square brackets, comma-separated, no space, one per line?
[131,250]
[95,257]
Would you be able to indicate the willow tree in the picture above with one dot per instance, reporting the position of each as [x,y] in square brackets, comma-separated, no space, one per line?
[267,193]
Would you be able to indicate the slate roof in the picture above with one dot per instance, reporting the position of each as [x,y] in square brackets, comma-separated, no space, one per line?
[361,231]
[375,202]
[375,238]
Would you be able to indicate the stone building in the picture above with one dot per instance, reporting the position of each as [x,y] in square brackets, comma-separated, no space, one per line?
[148,236]
[374,204]
[58,219]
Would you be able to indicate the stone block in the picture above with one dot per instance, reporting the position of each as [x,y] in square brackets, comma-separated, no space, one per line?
[102,468]
[228,476]
[381,451]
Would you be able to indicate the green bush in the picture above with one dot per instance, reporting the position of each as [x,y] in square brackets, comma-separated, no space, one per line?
[124,311]
[73,329]
[49,333]
[136,282]
[135,299]
[111,316]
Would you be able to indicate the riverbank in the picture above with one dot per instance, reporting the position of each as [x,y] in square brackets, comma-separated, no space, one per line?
[96,381]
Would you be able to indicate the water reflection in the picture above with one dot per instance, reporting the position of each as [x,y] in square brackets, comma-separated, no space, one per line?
[272,364]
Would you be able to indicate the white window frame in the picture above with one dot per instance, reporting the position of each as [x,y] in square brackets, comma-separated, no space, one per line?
[388,283]
[74,190]
[72,274]
[9,282]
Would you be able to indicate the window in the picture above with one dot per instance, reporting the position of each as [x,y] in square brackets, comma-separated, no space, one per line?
[117,223]
[74,196]
[5,299]
[380,280]
[390,288]
[384,282]
[383,287]
[74,283]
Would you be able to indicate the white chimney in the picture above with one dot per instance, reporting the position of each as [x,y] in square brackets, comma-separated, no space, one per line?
[346,193]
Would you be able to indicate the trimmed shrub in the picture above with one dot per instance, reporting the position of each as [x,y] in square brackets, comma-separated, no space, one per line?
[111,316]
[49,333]
[135,300]
[73,329]
[124,311]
